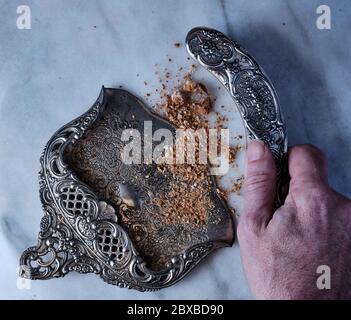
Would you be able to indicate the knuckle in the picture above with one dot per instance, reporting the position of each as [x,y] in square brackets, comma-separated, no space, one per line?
[308,188]
[284,217]
[257,181]
[312,151]
[314,201]
[312,190]
[317,196]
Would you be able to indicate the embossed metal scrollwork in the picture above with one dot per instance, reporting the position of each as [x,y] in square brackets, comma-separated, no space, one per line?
[249,87]
[80,232]
[88,228]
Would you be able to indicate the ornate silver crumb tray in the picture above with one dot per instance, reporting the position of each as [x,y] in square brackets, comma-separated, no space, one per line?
[99,213]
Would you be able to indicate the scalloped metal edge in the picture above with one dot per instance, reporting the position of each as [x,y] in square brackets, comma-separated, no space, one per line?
[68,242]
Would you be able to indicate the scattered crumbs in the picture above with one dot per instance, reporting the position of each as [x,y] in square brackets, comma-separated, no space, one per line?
[220,120]
[177,44]
[145,83]
[236,187]
[233,152]
[224,193]
[95,27]
[170,60]
[188,193]
[188,107]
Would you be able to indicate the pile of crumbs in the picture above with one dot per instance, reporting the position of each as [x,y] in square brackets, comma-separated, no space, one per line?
[188,193]
[188,106]
[187,199]
[235,188]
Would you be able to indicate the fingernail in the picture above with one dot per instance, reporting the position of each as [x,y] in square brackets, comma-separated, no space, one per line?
[255,150]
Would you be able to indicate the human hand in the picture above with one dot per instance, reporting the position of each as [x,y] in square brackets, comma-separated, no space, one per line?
[282,250]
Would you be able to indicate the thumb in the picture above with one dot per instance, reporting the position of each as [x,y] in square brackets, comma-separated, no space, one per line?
[259,184]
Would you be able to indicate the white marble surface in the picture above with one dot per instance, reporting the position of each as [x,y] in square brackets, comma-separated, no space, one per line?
[54,71]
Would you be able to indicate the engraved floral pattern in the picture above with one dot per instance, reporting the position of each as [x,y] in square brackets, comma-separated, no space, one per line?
[249,87]
[79,232]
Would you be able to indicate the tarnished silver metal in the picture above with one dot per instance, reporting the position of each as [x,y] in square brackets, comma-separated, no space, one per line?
[90,227]
[249,87]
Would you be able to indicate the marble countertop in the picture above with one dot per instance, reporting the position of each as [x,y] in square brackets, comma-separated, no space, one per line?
[54,71]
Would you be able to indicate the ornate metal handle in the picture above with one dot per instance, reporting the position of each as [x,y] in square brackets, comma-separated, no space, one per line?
[80,232]
[249,87]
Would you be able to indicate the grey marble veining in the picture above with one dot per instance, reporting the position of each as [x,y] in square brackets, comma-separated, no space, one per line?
[53,72]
